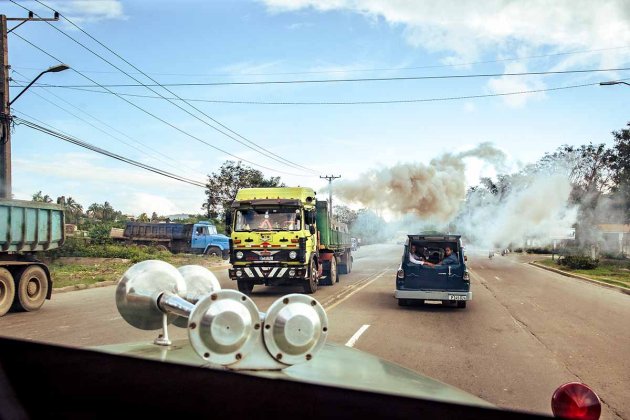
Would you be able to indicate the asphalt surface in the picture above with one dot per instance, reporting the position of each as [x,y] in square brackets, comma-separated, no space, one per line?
[525,332]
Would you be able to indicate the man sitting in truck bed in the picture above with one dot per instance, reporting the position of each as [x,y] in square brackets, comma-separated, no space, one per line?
[416,259]
[450,258]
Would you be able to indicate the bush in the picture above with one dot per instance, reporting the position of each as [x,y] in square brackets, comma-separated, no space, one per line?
[539,250]
[578,262]
[78,247]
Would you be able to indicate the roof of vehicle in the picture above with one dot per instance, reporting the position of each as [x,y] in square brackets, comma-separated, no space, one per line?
[434,236]
[303,194]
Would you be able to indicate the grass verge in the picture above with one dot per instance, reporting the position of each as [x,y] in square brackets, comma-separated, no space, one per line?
[613,272]
[71,274]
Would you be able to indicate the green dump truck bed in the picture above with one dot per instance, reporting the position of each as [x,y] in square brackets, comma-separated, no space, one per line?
[27,226]
[332,235]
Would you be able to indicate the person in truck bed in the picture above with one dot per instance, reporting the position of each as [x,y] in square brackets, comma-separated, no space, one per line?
[416,259]
[450,258]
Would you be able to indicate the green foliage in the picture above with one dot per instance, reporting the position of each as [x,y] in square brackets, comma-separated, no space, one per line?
[578,262]
[370,227]
[78,247]
[345,214]
[223,186]
[539,250]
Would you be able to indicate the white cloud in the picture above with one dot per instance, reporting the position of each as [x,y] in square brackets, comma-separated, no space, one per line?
[468,30]
[80,11]
[505,84]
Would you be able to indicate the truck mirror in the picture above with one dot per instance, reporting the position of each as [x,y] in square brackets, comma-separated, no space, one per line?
[228,222]
[312,229]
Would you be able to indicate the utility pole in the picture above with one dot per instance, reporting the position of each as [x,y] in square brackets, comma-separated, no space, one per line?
[330,180]
[5,105]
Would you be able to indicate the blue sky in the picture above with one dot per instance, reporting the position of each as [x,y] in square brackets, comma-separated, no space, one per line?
[215,41]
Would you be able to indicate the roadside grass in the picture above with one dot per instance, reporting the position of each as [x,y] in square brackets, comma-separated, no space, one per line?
[71,274]
[613,272]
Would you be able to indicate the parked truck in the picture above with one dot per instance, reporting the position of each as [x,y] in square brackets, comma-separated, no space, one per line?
[197,238]
[284,235]
[27,227]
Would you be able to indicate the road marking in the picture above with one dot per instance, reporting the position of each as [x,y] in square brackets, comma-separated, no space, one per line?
[355,337]
[338,300]
[497,277]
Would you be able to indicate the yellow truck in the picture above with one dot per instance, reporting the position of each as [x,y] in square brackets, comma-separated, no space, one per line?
[283,235]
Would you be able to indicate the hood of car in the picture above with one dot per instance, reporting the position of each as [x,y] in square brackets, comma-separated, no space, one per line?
[335,365]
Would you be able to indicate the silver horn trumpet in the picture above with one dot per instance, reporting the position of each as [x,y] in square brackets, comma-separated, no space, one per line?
[224,326]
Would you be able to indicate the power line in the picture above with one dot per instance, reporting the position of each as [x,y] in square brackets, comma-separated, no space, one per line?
[426,67]
[156,117]
[81,143]
[374,102]
[143,150]
[256,147]
[357,80]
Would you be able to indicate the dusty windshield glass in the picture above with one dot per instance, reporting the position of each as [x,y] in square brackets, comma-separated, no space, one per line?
[267,219]
[303,147]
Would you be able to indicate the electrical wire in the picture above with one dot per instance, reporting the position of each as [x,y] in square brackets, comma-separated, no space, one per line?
[144,149]
[158,118]
[248,143]
[374,102]
[359,80]
[85,145]
[426,67]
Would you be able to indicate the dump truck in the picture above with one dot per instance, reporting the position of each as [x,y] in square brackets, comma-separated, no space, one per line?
[284,235]
[27,227]
[196,238]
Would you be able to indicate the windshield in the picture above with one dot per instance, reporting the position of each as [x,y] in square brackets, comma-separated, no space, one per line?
[267,219]
[302,147]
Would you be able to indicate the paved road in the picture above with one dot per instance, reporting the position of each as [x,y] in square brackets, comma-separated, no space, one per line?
[526,331]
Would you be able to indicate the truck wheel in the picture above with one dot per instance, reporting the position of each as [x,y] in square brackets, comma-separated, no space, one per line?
[310,284]
[331,273]
[7,291]
[32,289]
[245,286]
[346,267]
[214,251]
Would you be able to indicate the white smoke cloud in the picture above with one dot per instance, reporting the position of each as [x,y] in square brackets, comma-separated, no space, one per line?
[434,191]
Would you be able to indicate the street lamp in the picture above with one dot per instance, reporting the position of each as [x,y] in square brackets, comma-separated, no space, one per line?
[613,83]
[52,69]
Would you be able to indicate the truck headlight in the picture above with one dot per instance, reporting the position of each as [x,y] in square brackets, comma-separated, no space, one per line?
[239,254]
[239,273]
[293,255]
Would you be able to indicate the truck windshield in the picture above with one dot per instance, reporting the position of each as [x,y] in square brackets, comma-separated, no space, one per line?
[268,218]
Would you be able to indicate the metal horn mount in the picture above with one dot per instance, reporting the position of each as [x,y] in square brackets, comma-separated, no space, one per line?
[224,326]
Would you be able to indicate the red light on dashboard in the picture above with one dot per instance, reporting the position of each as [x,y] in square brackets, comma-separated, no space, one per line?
[575,400]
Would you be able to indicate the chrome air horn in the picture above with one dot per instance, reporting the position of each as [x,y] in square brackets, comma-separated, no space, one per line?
[224,326]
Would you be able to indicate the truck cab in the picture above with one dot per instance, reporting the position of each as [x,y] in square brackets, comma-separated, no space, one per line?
[206,239]
[426,272]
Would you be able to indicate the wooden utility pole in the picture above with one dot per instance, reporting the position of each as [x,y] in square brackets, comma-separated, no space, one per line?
[5,107]
[330,180]
[5,114]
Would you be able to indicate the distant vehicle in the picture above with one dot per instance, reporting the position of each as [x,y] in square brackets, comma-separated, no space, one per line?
[197,238]
[445,283]
[284,235]
[27,227]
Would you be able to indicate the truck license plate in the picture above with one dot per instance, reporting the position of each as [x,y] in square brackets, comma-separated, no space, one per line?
[456,297]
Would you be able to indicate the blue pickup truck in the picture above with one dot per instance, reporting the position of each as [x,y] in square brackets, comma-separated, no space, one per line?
[433,267]
[197,238]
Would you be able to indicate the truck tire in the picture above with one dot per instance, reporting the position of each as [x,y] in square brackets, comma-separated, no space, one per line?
[245,286]
[32,289]
[161,248]
[214,251]
[310,284]
[7,291]
[346,267]
[332,274]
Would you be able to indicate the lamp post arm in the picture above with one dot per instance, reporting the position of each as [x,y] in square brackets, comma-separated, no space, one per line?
[28,86]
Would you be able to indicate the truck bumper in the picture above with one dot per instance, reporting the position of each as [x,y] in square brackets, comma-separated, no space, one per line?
[264,274]
[432,295]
